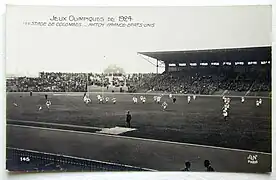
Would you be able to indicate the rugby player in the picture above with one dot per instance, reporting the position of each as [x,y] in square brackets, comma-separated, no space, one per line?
[135,100]
[174,100]
[164,105]
[144,100]
[114,100]
[158,99]
[48,104]
[242,99]
[189,99]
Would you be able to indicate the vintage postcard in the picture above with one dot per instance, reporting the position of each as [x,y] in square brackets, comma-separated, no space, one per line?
[138,88]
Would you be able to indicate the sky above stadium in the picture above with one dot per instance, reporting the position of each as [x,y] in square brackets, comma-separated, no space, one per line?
[31,49]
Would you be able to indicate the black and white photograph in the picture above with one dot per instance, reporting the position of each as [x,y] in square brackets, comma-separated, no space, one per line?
[92,89]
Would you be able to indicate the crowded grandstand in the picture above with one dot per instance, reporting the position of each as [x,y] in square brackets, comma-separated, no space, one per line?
[187,75]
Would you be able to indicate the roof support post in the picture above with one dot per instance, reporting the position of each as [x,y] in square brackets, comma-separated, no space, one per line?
[157,66]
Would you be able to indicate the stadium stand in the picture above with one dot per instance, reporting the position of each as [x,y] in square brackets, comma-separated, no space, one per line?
[252,73]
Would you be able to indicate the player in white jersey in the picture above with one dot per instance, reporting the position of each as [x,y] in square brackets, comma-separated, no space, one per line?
[106,99]
[158,99]
[228,100]
[87,100]
[194,97]
[170,96]
[141,98]
[114,100]
[48,104]
[40,108]
[225,114]
[155,98]
[135,100]
[227,106]
[98,96]
[144,100]
[242,99]
[101,100]
[257,103]
[189,99]
[15,104]
[164,105]
[260,101]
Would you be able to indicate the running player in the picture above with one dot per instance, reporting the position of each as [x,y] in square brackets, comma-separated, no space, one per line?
[189,99]
[135,100]
[257,103]
[114,100]
[86,100]
[194,97]
[174,100]
[260,101]
[242,99]
[155,99]
[164,105]
[225,114]
[170,96]
[106,99]
[101,100]
[144,100]
[158,99]
[48,104]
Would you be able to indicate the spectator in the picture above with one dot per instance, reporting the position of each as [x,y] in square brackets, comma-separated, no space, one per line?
[208,166]
[187,166]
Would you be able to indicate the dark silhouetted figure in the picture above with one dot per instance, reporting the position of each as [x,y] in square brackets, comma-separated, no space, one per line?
[208,166]
[174,99]
[128,119]
[187,166]
[31,93]
[46,96]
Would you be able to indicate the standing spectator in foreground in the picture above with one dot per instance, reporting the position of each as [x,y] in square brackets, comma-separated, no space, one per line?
[128,119]
[208,166]
[187,166]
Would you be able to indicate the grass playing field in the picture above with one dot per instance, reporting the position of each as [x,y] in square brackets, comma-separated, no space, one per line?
[200,122]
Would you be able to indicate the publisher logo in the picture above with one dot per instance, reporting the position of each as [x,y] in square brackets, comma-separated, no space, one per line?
[252,159]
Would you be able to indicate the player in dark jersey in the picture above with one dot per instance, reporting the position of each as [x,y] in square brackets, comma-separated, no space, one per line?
[46,96]
[174,99]
[31,93]
[128,119]
[187,166]
[208,166]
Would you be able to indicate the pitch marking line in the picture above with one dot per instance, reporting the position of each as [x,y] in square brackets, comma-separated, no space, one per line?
[56,124]
[79,158]
[142,139]
[115,130]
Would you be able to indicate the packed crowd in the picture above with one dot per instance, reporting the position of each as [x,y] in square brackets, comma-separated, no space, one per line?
[177,82]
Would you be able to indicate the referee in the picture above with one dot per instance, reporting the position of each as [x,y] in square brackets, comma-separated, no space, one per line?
[128,119]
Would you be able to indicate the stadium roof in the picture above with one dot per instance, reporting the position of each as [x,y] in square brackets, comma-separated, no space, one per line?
[213,55]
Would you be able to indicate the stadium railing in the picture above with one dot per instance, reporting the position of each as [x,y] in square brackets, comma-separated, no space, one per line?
[20,160]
